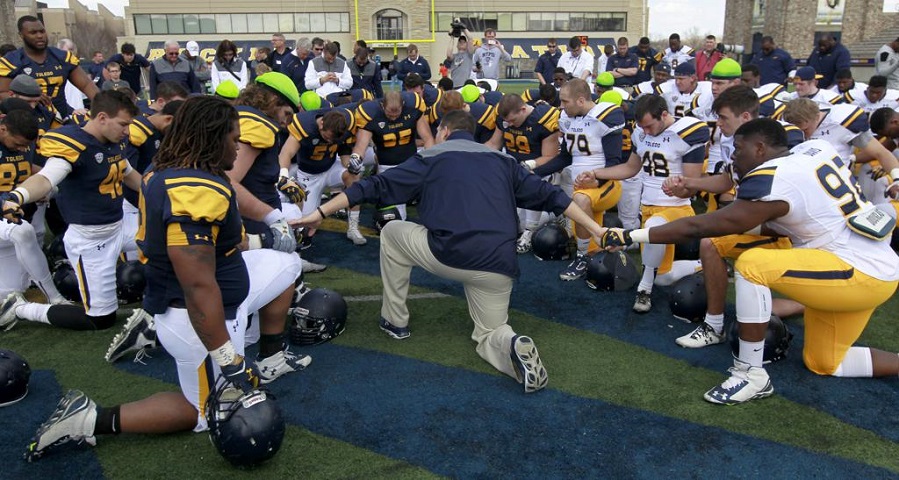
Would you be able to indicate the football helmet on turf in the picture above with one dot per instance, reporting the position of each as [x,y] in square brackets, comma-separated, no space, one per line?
[55,250]
[550,242]
[319,316]
[66,281]
[14,375]
[777,339]
[246,428]
[611,271]
[687,250]
[385,214]
[130,282]
[688,300]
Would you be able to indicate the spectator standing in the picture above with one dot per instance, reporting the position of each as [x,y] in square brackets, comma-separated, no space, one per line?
[577,62]
[198,64]
[413,63]
[260,57]
[829,58]
[886,63]
[279,52]
[547,62]
[95,69]
[328,74]
[707,57]
[647,57]
[603,59]
[318,46]
[132,64]
[459,55]
[489,55]
[296,64]
[775,64]
[172,68]
[366,73]
[228,66]
[623,65]
[115,81]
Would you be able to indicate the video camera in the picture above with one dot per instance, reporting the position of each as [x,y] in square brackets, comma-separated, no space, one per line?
[725,48]
[457,27]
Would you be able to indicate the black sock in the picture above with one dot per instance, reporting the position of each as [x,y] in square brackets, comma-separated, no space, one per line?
[72,317]
[109,421]
[270,345]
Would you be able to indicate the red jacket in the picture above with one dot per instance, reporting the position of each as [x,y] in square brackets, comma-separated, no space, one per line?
[705,63]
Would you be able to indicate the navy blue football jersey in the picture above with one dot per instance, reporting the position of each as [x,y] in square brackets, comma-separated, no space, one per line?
[264,134]
[52,75]
[316,155]
[526,142]
[394,139]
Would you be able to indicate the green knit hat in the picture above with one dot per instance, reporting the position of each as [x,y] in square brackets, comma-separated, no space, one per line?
[611,96]
[471,93]
[227,90]
[605,79]
[282,85]
[726,69]
[310,100]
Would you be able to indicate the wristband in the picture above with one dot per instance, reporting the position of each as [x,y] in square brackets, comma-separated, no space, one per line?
[284,173]
[22,195]
[273,216]
[224,355]
[254,241]
[894,174]
[640,235]
[321,212]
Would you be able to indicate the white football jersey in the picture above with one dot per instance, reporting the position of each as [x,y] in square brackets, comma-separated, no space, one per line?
[664,155]
[841,124]
[767,94]
[859,86]
[676,58]
[582,136]
[821,196]
[650,87]
[680,103]
[824,98]
[890,99]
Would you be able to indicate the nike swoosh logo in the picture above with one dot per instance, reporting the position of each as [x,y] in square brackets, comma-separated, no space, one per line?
[757,350]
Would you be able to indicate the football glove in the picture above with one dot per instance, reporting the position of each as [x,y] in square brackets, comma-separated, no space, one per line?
[293,191]
[242,375]
[355,165]
[11,204]
[616,238]
[280,237]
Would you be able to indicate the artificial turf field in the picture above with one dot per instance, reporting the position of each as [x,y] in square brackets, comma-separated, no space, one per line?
[623,400]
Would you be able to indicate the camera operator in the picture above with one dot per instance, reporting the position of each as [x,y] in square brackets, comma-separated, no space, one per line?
[712,52]
[459,54]
[488,56]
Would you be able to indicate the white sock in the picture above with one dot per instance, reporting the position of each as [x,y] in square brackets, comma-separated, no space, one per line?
[34,312]
[402,208]
[647,280]
[715,321]
[752,353]
[679,270]
[354,216]
[856,363]
[582,244]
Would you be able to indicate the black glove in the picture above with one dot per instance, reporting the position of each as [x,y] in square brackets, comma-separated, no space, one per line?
[12,209]
[615,238]
[241,375]
[293,191]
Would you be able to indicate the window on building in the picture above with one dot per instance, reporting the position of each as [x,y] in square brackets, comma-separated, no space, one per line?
[301,22]
[285,22]
[207,23]
[223,22]
[190,23]
[160,24]
[143,25]
[390,24]
[239,23]
[537,21]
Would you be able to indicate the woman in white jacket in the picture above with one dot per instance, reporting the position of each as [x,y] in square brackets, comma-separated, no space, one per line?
[228,66]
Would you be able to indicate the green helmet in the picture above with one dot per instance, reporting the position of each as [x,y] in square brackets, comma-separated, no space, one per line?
[470,93]
[726,69]
[611,96]
[282,85]
[605,79]
[310,100]
[227,90]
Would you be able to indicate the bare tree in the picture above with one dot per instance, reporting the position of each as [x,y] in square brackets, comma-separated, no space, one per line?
[90,38]
[8,32]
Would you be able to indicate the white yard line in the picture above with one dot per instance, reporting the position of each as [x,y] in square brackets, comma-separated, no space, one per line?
[377,298]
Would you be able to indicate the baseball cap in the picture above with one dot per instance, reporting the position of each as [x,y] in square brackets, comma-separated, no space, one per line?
[310,100]
[282,85]
[662,67]
[471,93]
[726,69]
[25,86]
[13,104]
[803,73]
[611,96]
[193,48]
[685,70]
[227,90]
[605,79]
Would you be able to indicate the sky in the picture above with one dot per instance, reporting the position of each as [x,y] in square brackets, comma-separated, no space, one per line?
[665,16]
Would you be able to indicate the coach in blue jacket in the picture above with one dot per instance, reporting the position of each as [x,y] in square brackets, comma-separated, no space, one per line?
[468,199]
[829,58]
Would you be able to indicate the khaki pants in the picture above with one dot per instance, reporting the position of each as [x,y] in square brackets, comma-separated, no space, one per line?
[405,245]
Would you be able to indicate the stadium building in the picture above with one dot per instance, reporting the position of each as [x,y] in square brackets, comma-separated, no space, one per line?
[523,26]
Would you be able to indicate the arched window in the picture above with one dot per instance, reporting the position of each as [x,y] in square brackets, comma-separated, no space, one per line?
[390,24]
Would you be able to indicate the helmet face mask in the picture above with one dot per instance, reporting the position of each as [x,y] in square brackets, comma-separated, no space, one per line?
[14,376]
[246,428]
[319,317]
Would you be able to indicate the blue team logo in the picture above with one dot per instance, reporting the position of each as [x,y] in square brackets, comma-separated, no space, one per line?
[98,157]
